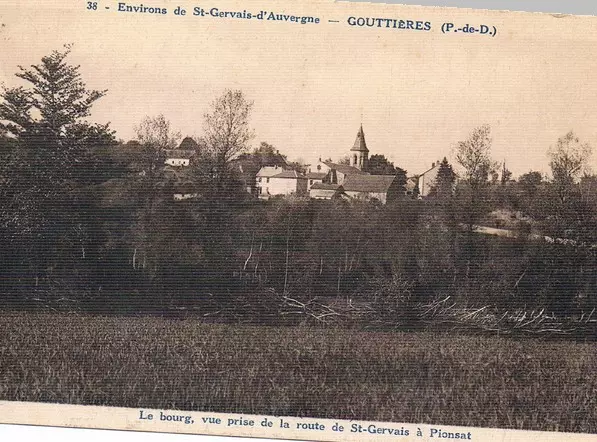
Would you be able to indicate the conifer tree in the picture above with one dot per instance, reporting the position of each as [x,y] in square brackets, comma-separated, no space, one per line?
[47,122]
[49,158]
[444,182]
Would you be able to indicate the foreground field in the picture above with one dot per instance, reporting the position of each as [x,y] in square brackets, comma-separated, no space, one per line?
[404,377]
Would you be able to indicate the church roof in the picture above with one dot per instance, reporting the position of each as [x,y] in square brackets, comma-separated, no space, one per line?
[359,144]
[368,183]
[345,169]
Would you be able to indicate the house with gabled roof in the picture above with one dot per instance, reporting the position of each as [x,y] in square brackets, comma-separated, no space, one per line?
[325,191]
[181,156]
[276,181]
[247,166]
[426,180]
[383,188]
[330,180]
[178,157]
[332,173]
[314,178]
[337,173]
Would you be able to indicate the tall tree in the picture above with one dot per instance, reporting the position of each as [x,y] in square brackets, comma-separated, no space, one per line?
[46,123]
[48,120]
[53,110]
[569,157]
[506,174]
[265,149]
[568,160]
[474,155]
[443,186]
[226,136]
[267,155]
[380,165]
[530,182]
[155,136]
[227,131]
[524,192]
[157,132]
[470,202]
[570,216]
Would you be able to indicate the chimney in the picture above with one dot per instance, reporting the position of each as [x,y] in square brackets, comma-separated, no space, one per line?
[432,165]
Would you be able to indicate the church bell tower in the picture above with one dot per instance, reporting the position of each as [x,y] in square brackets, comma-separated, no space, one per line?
[359,154]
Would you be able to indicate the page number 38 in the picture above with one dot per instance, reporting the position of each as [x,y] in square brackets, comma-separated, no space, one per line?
[92,5]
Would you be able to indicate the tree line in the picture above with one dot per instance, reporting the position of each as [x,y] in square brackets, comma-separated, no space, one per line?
[87,223]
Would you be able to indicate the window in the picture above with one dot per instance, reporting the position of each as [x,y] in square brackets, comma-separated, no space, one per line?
[268,179]
[310,182]
[259,179]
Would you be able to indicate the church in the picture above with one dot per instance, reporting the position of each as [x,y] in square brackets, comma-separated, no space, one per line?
[327,180]
[333,180]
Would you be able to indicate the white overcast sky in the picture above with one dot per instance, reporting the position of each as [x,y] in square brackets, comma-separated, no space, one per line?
[416,93]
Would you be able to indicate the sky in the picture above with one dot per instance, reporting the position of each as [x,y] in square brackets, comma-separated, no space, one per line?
[416,93]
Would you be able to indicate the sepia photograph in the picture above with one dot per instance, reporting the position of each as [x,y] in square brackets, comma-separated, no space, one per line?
[370,216]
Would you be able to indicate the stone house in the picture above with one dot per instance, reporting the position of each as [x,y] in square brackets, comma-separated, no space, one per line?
[426,180]
[276,181]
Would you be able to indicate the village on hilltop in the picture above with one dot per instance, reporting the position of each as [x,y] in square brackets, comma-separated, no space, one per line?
[349,179]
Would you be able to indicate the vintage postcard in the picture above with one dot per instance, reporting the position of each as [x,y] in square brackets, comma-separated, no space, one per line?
[305,220]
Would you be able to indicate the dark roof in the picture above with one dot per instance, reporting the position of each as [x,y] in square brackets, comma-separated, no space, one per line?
[359,144]
[249,166]
[326,186]
[288,174]
[261,160]
[316,175]
[188,144]
[346,170]
[368,183]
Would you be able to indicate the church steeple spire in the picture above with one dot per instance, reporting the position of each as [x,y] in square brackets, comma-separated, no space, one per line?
[359,144]
[359,151]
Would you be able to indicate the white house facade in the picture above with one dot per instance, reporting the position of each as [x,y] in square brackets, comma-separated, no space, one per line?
[427,179]
[178,157]
[276,181]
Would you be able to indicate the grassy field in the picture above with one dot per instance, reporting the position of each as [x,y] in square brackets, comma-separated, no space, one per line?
[405,377]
